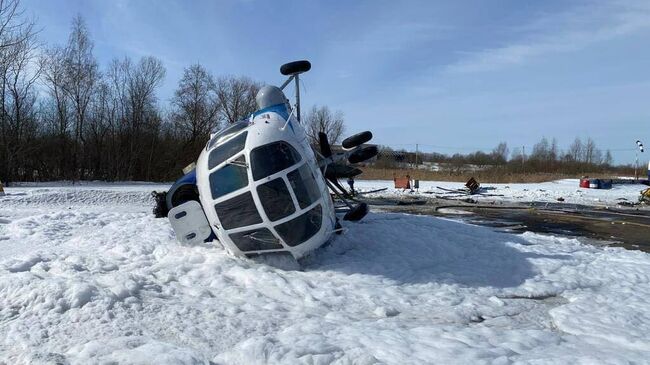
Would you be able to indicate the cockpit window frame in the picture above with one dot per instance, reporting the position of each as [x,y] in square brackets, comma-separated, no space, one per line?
[259,216]
[225,151]
[256,164]
[226,133]
[244,182]
[304,186]
[276,199]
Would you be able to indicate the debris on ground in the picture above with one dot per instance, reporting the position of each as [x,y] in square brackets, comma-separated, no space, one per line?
[645,196]
[402,182]
[473,185]
[371,191]
[472,188]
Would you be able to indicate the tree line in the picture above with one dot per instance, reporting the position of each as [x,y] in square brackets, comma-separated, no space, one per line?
[64,117]
[545,157]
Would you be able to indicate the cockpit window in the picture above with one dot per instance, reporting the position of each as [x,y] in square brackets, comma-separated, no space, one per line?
[304,186]
[301,228]
[271,158]
[226,150]
[227,132]
[229,178]
[237,212]
[276,199]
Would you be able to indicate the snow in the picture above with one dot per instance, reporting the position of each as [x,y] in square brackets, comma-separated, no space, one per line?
[88,276]
[567,189]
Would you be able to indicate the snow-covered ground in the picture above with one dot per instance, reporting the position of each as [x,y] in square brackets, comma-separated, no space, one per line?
[566,189]
[87,275]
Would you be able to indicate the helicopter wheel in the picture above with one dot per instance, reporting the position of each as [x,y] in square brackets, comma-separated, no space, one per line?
[184,194]
[357,140]
[363,154]
[357,213]
[295,67]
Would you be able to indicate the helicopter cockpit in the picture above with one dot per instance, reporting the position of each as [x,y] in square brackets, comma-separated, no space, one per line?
[264,196]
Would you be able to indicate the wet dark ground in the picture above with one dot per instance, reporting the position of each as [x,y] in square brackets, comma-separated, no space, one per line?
[629,228]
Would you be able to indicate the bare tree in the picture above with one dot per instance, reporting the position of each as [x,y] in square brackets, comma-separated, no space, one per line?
[236,96]
[541,150]
[143,80]
[608,160]
[14,28]
[81,75]
[500,152]
[118,118]
[18,74]
[321,119]
[553,152]
[98,130]
[54,78]
[195,105]
[576,150]
[590,152]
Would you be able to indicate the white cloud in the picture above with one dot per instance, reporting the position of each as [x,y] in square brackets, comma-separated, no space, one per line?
[558,33]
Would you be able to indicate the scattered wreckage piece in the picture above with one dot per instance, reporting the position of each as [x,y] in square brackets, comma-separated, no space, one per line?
[473,185]
[371,191]
[644,196]
[472,188]
[402,182]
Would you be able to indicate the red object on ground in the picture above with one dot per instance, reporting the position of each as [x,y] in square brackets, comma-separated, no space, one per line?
[402,182]
[584,183]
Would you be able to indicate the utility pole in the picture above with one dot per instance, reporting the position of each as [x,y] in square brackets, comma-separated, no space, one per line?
[639,144]
[523,158]
[636,165]
[416,155]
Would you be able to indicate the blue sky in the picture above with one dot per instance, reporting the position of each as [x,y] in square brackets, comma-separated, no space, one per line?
[452,76]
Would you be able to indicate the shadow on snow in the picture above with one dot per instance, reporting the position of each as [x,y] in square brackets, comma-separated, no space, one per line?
[413,249]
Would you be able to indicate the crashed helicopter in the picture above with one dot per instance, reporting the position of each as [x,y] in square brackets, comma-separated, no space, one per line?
[260,188]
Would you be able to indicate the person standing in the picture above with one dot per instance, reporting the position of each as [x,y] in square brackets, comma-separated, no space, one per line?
[351,183]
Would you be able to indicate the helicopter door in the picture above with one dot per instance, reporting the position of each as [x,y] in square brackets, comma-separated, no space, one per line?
[189,223]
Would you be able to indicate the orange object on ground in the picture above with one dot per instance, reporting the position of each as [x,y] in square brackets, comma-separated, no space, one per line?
[402,182]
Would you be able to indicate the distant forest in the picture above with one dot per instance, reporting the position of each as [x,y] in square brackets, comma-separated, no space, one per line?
[546,156]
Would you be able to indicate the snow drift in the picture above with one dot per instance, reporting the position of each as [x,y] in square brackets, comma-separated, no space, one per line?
[87,275]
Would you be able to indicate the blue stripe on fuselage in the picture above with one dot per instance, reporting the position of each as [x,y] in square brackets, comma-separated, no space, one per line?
[280,109]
